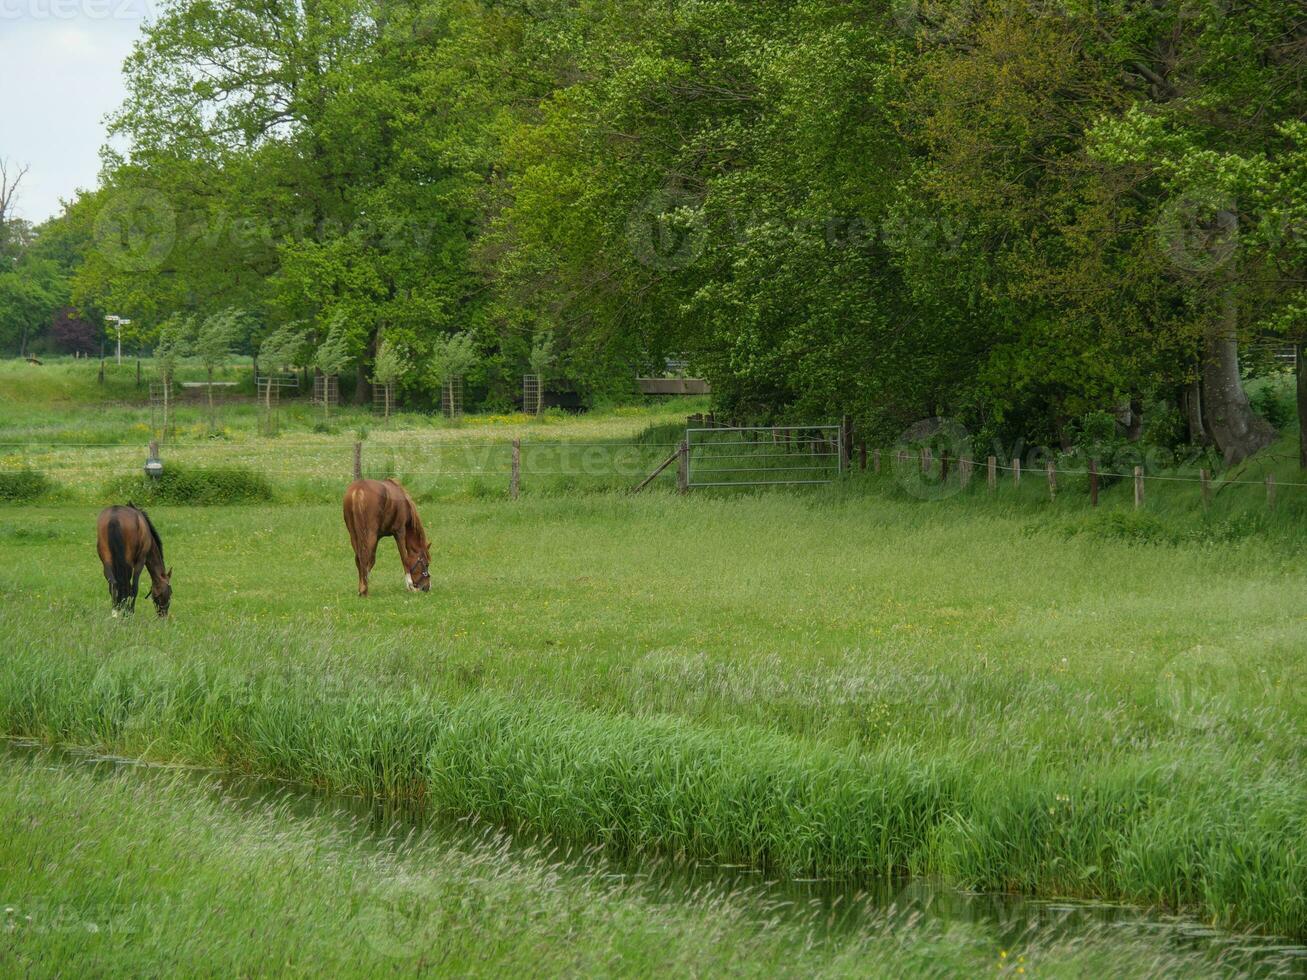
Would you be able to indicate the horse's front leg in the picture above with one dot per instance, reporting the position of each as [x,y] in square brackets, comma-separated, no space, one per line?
[136,588]
[401,542]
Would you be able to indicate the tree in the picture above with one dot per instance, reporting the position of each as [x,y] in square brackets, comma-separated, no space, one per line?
[73,334]
[541,362]
[175,337]
[331,357]
[213,345]
[10,177]
[451,357]
[389,368]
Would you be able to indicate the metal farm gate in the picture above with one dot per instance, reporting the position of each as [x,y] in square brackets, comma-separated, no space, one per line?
[749,456]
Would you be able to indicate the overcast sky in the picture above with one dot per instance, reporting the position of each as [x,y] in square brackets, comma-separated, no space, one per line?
[60,73]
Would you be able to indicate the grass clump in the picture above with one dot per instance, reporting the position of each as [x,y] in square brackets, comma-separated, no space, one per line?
[24,486]
[193,486]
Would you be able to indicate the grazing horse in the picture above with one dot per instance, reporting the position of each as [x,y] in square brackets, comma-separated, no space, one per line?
[128,542]
[377,509]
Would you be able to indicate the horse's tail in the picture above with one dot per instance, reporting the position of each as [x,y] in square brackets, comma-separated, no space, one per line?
[119,565]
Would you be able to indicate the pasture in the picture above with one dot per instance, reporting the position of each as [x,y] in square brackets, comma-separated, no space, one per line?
[996,692]
[816,684]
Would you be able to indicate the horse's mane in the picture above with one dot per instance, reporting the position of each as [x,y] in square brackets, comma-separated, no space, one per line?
[158,541]
[414,521]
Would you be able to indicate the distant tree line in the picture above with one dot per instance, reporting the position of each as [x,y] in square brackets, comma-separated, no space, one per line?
[1025,215]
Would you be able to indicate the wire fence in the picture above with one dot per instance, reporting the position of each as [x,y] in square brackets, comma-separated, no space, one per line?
[751,456]
[710,456]
[426,467]
[928,476]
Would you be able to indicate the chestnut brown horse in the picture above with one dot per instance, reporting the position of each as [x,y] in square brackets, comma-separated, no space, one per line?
[376,509]
[128,542]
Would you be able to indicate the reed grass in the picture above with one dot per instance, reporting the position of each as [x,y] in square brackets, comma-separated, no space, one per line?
[113,871]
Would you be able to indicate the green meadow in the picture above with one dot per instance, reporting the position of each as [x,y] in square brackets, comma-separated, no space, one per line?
[996,691]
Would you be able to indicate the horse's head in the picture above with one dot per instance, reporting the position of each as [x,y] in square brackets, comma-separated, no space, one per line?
[418,578]
[161,592]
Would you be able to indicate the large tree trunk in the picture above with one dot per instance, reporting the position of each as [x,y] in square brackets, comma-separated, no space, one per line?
[1236,429]
[1301,351]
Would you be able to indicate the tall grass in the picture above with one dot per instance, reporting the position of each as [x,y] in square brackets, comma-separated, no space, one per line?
[118,873]
[839,685]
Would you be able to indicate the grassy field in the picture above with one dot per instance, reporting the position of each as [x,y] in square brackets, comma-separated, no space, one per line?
[1003,691]
[85,438]
[818,684]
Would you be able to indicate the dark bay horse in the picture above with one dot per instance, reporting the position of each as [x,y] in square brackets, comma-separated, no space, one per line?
[376,509]
[128,542]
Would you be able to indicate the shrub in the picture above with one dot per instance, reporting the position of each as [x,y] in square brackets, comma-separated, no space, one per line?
[21,486]
[194,486]
[1272,403]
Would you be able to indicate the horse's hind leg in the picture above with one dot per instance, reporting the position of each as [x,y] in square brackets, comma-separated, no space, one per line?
[113,591]
[365,556]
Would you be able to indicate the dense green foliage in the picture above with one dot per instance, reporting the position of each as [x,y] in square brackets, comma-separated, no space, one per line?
[1016,214]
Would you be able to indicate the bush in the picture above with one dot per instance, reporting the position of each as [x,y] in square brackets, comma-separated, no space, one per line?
[22,486]
[1274,404]
[194,486]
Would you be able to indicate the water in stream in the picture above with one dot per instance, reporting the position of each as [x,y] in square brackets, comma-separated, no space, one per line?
[834,906]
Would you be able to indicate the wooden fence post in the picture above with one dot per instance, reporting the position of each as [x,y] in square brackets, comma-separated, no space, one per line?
[925,460]
[1139,487]
[1270,491]
[683,467]
[964,471]
[358,460]
[846,442]
[515,480]
[943,466]
[1205,478]
[862,454]
[1051,470]
[991,474]
[875,460]
[1093,483]
[1016,471]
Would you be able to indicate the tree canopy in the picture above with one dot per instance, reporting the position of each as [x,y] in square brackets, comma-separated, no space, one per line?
[1017,214]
